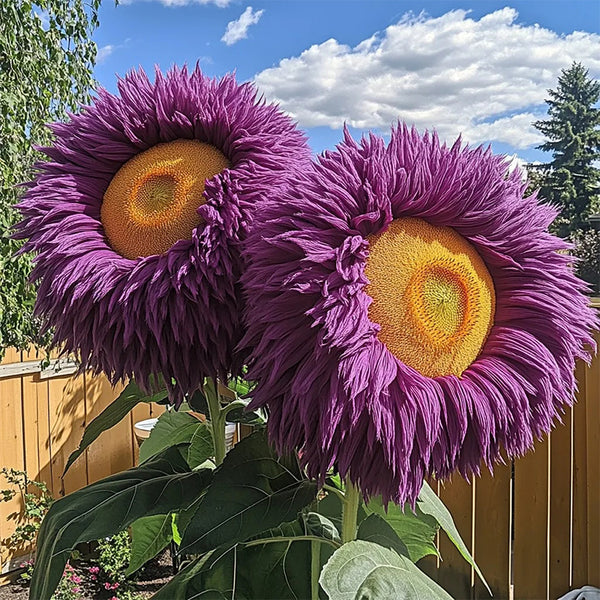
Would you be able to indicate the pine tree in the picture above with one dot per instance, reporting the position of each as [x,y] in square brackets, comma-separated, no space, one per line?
[570,180]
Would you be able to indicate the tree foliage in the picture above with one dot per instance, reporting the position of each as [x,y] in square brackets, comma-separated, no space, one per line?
[572,131]
[587,250]
[46,62]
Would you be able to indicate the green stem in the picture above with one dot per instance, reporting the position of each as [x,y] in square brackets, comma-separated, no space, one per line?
[217,421]
[232,406]
[315,567]
[336,491]
[350,512]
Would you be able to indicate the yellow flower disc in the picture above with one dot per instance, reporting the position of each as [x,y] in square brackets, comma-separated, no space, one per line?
[153,199]
[433,296]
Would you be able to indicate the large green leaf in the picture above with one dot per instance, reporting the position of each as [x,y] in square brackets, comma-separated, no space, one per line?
[269,571]
[245,417]
[149,535]
[416,530]
[318,524]
[106,507]
[365,571]
[172,428]
[430,504]
[209,577]
[377,530]
[253,490]
[128,399]
[201,446]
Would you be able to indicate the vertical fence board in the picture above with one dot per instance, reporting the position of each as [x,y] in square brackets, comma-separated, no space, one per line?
[592,418]
[493,531]
[560,507]
[36,401]
[531,524]
[455,573]
[31,423]
[11,355]
[579,558]
[11,447]
[67,407]
[31,442]
[112,451]
[157,409]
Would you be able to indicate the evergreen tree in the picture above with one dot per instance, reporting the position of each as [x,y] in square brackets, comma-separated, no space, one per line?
[572,131]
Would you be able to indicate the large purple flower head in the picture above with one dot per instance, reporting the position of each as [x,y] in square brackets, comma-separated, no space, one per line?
[410,314]
[137,217]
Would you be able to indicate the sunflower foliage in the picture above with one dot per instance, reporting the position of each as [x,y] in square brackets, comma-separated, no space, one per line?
[46,62]
[253,527]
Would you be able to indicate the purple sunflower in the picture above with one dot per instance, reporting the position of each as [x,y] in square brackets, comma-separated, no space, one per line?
[410,314]
[136,221]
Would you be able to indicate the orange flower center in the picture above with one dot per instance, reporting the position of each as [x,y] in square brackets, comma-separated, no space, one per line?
[433,296]
[152,201]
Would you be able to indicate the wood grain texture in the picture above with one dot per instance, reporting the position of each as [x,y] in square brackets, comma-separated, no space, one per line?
[580,522]
[531,524]
[11,450]
[592,419]
[560,507]
[492,531]
[455,573]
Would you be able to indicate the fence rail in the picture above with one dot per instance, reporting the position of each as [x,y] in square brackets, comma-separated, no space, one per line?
[534,527]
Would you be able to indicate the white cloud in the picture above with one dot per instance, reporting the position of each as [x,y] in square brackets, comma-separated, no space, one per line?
[104,52]
[516,162]
[238,30]
[486,78]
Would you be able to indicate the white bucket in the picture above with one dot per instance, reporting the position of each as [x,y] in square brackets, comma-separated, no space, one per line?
[143,428]
[230,429]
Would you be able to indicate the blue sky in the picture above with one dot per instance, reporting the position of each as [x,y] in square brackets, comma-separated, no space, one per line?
[476,68]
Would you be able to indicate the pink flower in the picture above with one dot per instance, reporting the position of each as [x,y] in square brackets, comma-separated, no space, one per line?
[76,590]
[94,570]
[107,586]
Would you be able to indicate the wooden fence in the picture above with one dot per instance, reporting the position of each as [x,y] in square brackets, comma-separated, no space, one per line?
[42,418]
[534,527]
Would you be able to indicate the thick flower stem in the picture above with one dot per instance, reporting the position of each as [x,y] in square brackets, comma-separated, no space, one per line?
[350,512]
[217,419]
[315,567]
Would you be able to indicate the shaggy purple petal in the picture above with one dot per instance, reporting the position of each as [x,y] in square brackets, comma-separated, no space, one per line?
[333,390]
[175,315]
